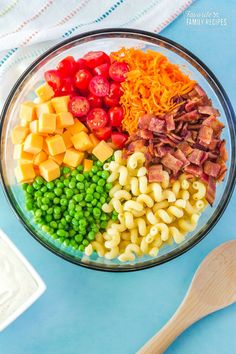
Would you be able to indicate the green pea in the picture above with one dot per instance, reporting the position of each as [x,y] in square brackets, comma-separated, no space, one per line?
[101,182]
[114,217]
[82,203]
[69,193]
[102,200]
[50,185]
[29,206]
[109,186]
[68,218]
[36,185]
[72,233]
[75,222]
[74,173]
[38,194]
[91,236]
[30,189]
[86,174]
[56,200]
[78,208]
[66,182]
[57,210]
[59,184]
[44,207]
[45,200]
[78,197]
[57,216]
[96,211]
[80,185]
[89,190]
[86,214]
[97,195]
[78,238]
[53,224]
[99,189]
[99,205]
[66,243]
[85,242]
[45,228]
[24,186]
[58,191]
[95,179]
[79,168]
[66,170]
[72,185]
[94,202]
[80,177]
[94,169]
[63,202]
[105,174]
[88,198]
[48,218]
[99,163]
[83,222]
[38,213]
[50,195]
[103,224]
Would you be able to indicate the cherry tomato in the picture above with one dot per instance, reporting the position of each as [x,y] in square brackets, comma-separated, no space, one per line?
[118,71]
[53,78]
[67,66]
[111,101]
[97,118]
[102,70]
[96,58]
[115,89]
[99,86]
[79,106]
[103,133]
[94,101]
[116,115]
[119,139]
[81,64]
[82,79]
[67,87]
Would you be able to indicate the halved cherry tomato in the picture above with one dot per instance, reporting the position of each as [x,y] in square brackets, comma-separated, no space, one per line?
[102,69]
[53,78]
[118,71]
[82,79]
[96,58]
[111,101]
[81,64]
[99,86]
[103,133]
[119,139]
[79,106]
[66,66]
[116,115]
[115,89]
[67,87]
[97,118]
[94,101]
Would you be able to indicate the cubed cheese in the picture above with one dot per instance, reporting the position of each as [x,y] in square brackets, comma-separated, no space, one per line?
[77,127]
[49,170]
[34,126]
[44,92]
[59,131]
[20,154]
[27,111]
[33,143]
[25,172]
[45,147]
[73,158]
[67,139]
[94,139]
[47,123]
[64,120]
[88,164]
[57,158]
[55,145]
[45,107]
[81,141]
[60,104]
[40,157]
[19,134]
[102,151]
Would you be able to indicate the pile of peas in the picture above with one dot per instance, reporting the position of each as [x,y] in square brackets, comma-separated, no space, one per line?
[69,208]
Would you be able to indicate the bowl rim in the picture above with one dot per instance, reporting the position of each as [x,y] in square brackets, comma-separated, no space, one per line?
[226,104]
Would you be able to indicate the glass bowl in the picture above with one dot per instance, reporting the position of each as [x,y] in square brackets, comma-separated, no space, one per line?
[110,40]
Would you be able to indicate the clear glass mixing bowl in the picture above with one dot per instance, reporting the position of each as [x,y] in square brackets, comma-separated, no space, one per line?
[111,40]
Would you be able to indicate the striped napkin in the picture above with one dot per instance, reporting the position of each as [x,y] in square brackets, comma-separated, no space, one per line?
[27,29]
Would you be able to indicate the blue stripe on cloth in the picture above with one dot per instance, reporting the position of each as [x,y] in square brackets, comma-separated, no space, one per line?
[142,13]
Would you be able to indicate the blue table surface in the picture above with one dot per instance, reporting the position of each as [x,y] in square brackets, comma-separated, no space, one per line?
[89,312]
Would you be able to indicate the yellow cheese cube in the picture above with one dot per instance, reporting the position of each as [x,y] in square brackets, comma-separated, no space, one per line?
[45,107]
[60,104]
[73,158]
[44,92]
[67,139]
[24,123]
[47,123]
[36,170]
[49,170]
[34,126]
[33,143]
[45,147]
[55,145]
[20,154]
[102,151]
[27,111]
[88,164]
[77,128]
[59,131]
[94,139]
[57,158]
[40,157]
[81,141]
[24,172]
[64,120]
[19,134]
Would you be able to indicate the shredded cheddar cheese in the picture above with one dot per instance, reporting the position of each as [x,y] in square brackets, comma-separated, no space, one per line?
[151,85]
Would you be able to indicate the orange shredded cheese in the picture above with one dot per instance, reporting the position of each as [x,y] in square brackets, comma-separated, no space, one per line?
[150,85]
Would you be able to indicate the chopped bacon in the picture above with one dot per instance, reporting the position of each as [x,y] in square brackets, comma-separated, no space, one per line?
[137,145]
[197,157]
[180,156]
[185,147]
[199,90]
[188,117]
[205,135]
[157,125]
[191,105]
[223,151]
[209,110]
[211,168]
[170,123]
[163,150]
[155,173]
[193,170]
[213,144]
[222,173]
[214,123]
[144,121]
[172,163]
[211,190]
[145,134]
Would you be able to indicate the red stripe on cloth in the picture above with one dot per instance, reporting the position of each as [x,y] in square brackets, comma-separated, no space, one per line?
[72,13]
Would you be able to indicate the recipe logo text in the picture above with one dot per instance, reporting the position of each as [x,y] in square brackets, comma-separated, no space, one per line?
[208,18]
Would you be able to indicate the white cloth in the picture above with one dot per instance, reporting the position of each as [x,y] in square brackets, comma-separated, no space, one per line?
[28,28]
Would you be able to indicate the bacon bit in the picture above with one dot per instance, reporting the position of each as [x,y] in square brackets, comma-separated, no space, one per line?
[197,157]
[222,173]
[214,123]
[200,90]
[205,135]
[188,117]
[157,125]
[211,168]
[145,134]
[163,150]
[223,151]
[211,190]
[185,147]
[172,163]
[170,123]
[181,156]
[155,173]
[144,121]
[209,110]
[137,145]
[194,170]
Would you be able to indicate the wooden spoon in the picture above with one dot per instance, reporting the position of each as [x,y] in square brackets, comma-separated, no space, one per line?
[213,287]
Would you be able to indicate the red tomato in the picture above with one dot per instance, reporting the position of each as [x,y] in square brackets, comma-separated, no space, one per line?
[96,58]
[103,133]
[102,70]
[53,78]
[119,139]
[67,87]
[81,64]
[97,118]
[116,115]
[94,101]
[111,101]
[118,71]
[99,86]
[82,79]
[67,66]
[79,106]
[115,89]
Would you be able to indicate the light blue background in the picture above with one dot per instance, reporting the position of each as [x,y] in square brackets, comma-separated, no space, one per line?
[89,312]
